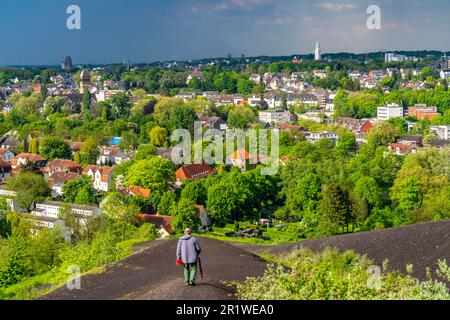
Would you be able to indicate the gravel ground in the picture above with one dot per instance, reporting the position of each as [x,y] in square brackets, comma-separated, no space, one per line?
[151,274]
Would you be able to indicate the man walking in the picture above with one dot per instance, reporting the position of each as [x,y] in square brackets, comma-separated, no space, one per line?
[188,250]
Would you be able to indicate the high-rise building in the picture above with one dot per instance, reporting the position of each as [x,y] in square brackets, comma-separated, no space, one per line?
[67,64]
[317,53]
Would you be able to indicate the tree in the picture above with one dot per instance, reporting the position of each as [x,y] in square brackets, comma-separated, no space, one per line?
[86,110]
[187,216]
[383,134]
[240,118]
[158,136]
[89,151]
[307,194]
[79,191]
[55,148]
[155,174]
[120,106]
[120,212]
[195,191]
[346,145]
[33,147]
[29,188]
[222,202]
[168,204]
[145,151]
[183,117]
[367,188]
[335,209]
[408,195]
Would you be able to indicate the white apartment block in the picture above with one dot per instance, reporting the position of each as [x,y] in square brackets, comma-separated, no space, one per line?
[275,117]
[47,213]
[317,136]
[389,112]
[443,132]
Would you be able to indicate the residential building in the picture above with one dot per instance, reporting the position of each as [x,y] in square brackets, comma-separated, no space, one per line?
[63,166]
[57,181]
[196,74]
[394,57]
[275,117]
[24,159]
[111,156]
[443,132]
[402,149]
[422,112]
[317,136]
[104,95]
[136,191]
[101,177]
[254,100]
[192,172]
[47,213]
[186,95]
[216,123]
[414,140]
[243,159]
[360,127]
[389,112]
[163,224]
[445,74]
[5,170]
[6,155]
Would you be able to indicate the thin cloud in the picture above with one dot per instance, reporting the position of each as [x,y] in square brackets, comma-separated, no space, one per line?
[330,6]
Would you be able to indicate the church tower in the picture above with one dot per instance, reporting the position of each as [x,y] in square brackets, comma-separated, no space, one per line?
[85,81]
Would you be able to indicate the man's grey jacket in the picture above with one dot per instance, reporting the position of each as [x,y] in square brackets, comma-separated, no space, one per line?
[188,249]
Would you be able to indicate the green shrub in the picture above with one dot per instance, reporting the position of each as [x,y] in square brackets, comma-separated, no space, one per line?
[330,275]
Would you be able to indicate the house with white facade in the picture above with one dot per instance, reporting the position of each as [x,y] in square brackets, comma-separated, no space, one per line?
[275,117]
[317,136]
[6,155]
[111,156]
[101,177]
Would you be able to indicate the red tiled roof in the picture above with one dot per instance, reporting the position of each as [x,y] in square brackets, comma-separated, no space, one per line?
[30,156]
[61,163]
[194,171]
[241,154]
[62,177]
[159,221]
[104,171]
[139,192]
[4,164]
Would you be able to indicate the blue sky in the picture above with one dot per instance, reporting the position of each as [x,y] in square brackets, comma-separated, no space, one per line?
[34,31]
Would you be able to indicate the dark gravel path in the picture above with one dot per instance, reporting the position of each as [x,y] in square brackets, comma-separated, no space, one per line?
[152,275]
[421,245]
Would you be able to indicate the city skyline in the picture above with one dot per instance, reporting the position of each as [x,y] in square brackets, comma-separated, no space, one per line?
[194,29]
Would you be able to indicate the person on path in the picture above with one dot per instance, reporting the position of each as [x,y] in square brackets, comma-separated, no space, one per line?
[188,250]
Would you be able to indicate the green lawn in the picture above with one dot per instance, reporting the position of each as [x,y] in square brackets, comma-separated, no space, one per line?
[290,232]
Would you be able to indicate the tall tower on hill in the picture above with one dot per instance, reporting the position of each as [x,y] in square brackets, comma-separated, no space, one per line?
[317,53]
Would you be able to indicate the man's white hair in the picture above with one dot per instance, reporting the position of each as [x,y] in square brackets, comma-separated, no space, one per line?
[187,231]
